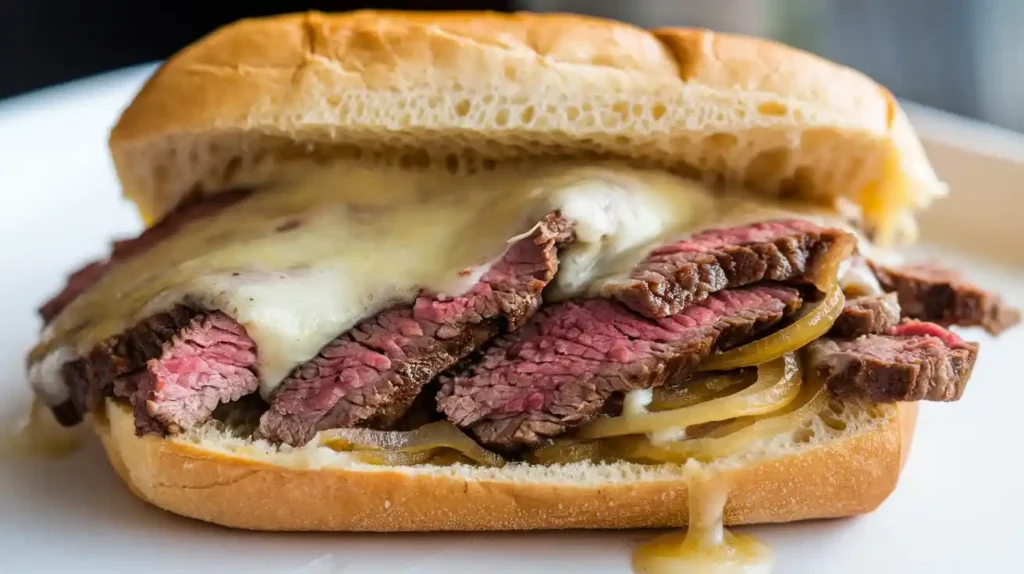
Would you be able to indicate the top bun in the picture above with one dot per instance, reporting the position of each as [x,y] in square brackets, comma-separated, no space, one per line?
[464,90]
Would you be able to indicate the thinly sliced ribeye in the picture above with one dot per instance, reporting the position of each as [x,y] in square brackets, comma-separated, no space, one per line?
[174,367]
[867,315]
[206,363]
[91,377]
[682,273]
[381,365]
[932,293]
[914,361]
[558,371]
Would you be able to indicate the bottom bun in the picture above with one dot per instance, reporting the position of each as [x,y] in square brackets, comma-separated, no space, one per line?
[213,477]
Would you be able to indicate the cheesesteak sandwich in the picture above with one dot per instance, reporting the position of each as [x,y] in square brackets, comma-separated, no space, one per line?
[482,271]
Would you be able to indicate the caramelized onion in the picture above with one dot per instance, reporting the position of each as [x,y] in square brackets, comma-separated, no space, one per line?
[828,271]
[408,447]
[567,451]
[813,322]
[733,437]
[778,383]
[699,388]
[393,457]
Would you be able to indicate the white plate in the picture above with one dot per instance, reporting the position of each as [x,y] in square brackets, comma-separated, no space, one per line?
[957,508]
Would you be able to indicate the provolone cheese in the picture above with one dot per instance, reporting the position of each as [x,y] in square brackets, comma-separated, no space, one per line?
[300,262]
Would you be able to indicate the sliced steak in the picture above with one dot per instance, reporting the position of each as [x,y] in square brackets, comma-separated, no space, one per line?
[559,370]
[914,361]
[89,378]
[682,273]
[174,367]
[867,315]
[932,293]
[372,373]
[207,363]
[123,249]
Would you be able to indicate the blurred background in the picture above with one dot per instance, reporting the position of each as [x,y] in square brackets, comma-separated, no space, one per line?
[963,56]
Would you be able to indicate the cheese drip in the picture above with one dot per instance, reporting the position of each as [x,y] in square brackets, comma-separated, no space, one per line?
[302,261]
[706,547]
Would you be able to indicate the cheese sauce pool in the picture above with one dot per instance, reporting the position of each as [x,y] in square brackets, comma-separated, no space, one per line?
[39,435]
[705,547]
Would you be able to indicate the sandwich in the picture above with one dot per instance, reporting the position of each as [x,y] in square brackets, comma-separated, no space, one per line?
[474,271]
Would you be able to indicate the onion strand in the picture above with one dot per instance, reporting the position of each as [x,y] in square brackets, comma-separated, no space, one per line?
[732,438]
[408,447]
[778,383]
[724,443]
[699,388]
[813,322]
[567,451]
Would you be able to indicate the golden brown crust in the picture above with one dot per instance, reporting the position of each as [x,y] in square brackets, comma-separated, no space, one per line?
[466,88]
[839,478]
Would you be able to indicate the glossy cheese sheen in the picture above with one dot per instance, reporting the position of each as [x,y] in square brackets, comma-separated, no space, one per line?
[301,262]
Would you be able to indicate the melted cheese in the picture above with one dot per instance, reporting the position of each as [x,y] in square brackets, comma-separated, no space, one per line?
[857,279]
[706,547]
[636,402]
[300,262]
[39,435]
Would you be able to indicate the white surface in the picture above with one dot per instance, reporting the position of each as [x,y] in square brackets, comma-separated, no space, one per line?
[958,507]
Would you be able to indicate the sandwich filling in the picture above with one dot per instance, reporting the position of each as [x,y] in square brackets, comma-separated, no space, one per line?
[556,313]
